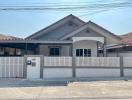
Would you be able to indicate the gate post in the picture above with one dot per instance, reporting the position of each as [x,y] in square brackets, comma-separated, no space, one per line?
[121,67]
[73,67]
[41,66]
[25,67]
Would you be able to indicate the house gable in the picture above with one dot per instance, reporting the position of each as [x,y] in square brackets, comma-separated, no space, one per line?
[58,29]
[87,33]
[57,33]
[91,29]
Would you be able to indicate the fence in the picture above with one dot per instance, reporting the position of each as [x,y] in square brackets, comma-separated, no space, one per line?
[63,67]
[87,67]
[57,61]
[127,66]
[82,61]
[11,67]
[127,61]
[98,61]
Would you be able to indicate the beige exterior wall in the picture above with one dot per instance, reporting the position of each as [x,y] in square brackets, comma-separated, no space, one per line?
[65,50]
[44,50]
[86,44]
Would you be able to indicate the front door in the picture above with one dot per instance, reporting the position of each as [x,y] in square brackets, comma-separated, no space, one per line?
[83,52]
[33,67]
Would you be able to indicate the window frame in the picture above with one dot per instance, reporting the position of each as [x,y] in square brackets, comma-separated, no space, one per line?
[54,47]
[83,52]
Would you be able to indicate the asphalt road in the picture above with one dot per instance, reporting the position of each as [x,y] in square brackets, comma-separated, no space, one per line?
[20,89]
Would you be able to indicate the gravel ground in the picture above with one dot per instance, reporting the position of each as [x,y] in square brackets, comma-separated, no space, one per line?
[15,89]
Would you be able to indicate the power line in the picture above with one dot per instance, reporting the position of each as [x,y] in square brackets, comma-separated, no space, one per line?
[65,7]
[67,3]
[92,13]
[53,3]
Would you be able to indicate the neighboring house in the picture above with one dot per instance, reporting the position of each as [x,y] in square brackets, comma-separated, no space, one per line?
[6,49]
[124,49]
[69,36]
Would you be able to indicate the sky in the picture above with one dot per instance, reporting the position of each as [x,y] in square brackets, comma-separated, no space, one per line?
[24,23]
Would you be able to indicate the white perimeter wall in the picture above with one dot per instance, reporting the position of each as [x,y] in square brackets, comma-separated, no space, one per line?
[57,72]
[97,72]
[128,72]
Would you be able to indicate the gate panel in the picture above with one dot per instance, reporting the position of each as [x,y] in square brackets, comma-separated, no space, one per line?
[11,67]
[33,67]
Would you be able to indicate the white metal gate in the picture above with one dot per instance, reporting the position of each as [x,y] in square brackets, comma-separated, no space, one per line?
[33,67]
[11,67]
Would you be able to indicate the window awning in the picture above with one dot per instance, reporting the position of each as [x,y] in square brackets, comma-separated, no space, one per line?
[99,39]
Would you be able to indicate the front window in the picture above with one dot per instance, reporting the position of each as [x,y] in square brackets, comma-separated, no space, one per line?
[83,52]
[54,51]
[18,52]
[1,51]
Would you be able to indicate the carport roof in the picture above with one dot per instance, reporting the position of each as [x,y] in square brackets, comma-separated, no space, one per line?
[11,39]
[34,41]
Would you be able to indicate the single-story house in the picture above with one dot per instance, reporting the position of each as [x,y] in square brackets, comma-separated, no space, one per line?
[69,36]
[6,49]
[124,49]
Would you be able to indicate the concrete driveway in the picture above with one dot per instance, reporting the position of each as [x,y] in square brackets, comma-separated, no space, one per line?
[12,89]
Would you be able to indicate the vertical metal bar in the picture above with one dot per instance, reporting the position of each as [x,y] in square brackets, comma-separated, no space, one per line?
[22,59]
[17,66]
[9,67]
[5,65]
[1,67]
[13,66]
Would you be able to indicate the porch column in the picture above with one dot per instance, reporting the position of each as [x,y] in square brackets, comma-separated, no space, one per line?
[104,48]
[71,50]
[105,51]
[97,50]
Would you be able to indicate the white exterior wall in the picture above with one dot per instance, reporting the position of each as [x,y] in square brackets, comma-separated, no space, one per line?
[124,54]
[57,73]
[86,45]
[97,72]
[65,50]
